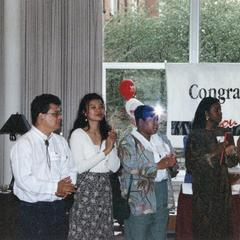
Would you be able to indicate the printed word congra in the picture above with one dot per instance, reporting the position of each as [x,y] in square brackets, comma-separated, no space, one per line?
[222,94]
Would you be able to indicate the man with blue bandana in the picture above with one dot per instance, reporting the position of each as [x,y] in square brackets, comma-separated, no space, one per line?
[145,157]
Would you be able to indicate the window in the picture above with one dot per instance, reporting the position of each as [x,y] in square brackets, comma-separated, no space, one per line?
[143,32]
[219,31]
[153,34]
[150,89]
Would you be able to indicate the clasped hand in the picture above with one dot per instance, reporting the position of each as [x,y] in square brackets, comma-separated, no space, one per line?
[111,139]
[65,187]
[230,150]
[168,161]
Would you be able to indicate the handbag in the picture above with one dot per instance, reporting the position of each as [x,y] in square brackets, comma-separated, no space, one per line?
[121,208]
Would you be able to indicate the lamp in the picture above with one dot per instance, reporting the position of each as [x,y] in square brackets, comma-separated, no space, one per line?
[16,124]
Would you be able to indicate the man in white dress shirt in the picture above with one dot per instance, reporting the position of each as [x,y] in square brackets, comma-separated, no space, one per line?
[44,173]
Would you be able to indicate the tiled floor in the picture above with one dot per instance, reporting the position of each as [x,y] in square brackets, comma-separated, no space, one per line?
[121,237]
[118,232]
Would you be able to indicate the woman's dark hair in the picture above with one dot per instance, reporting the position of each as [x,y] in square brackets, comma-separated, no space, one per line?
[40,104]
[81,120]
[199,121]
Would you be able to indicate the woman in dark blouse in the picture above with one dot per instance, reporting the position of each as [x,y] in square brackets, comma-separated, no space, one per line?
[208,161]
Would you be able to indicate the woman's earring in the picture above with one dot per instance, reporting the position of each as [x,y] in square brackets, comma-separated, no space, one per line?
[207,118]
[85,115]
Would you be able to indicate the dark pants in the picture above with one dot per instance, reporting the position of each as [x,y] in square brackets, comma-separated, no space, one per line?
[42,221]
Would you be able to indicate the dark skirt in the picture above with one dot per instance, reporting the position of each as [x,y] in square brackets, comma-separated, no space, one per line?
[91,213]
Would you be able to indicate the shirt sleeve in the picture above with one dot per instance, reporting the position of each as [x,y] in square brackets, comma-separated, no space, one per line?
[113,162]
[68,168]
[21,160]
[198,152]
[78,142]
[167,141]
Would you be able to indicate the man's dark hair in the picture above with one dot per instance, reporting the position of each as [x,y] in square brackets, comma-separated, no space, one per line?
[40,104]
[143,112]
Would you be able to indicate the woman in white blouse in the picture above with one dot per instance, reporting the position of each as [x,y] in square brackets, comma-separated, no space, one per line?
[92,144]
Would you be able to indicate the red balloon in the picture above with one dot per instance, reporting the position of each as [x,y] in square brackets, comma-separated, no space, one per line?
[127,89]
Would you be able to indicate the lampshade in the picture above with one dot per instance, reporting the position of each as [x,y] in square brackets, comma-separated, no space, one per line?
[16,124]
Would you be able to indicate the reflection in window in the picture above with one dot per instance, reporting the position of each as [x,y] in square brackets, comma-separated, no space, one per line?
[150,89]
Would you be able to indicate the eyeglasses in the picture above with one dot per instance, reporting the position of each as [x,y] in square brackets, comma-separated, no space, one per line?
[55,114]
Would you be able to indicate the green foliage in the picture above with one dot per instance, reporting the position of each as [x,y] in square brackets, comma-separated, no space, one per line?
[135,36]
[220,31]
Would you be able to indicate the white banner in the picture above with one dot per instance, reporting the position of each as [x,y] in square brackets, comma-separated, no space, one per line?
[188,83]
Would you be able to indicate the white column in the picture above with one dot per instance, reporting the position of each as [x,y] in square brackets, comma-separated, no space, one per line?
[12,77]
[194,31]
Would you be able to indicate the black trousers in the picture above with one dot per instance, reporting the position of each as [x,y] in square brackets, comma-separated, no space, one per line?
[42,221]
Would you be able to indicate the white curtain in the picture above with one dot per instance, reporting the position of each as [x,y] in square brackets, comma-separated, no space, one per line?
[62,46]
[2,95]
[61,53]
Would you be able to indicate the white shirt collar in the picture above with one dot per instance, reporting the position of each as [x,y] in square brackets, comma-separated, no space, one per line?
[142,139]
[41,134]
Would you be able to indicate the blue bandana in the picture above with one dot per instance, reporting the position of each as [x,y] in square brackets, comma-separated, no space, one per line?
[144,112]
